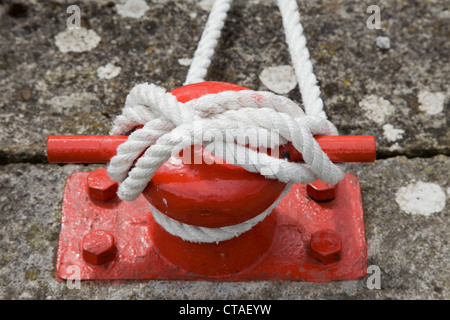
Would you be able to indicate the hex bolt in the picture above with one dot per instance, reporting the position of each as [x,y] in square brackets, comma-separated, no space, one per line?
[325,246]
[100,186]
[98,247]
[321,191]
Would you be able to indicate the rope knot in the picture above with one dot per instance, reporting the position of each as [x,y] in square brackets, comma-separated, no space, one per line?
[241,122]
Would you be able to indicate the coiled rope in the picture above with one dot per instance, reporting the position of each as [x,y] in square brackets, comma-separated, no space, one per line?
[169,126]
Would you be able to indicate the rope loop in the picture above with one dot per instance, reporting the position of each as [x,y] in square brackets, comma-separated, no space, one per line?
[235,119]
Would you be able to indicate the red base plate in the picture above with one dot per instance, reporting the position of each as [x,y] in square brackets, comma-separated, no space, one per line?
[297,217]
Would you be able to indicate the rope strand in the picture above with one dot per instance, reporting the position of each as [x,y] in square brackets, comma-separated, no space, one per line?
[299,53]
[207,44]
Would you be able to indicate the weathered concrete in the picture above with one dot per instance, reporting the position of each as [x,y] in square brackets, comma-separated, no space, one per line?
[412,251]
[400,95]
[45,91]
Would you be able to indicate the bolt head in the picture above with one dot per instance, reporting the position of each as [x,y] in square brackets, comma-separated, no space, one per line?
[98,247]
[325,246]
[321,191]
[100,186]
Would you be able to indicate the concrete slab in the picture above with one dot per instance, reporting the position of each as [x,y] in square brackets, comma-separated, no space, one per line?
[411,250]
[399,94]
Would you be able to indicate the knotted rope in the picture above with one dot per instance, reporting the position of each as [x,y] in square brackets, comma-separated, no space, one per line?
[269,120]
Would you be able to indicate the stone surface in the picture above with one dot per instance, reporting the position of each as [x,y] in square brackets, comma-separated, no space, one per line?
[384,43]
[412,251]
[132,9]
[279,79]
[400,95]
[421,198]
[347,62]
[77,40]
[108,71]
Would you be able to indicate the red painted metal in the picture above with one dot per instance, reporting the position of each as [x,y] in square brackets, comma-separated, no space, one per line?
[277,248]
[339,148]
[321,191]
[82,149]
[100,149]
[325,246]
[100,186]
[213,195]
[98,247]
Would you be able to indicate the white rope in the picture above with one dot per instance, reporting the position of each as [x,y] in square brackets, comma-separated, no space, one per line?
[170,126]
[269,120]
[299,53]
[207,44]
[209,235]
